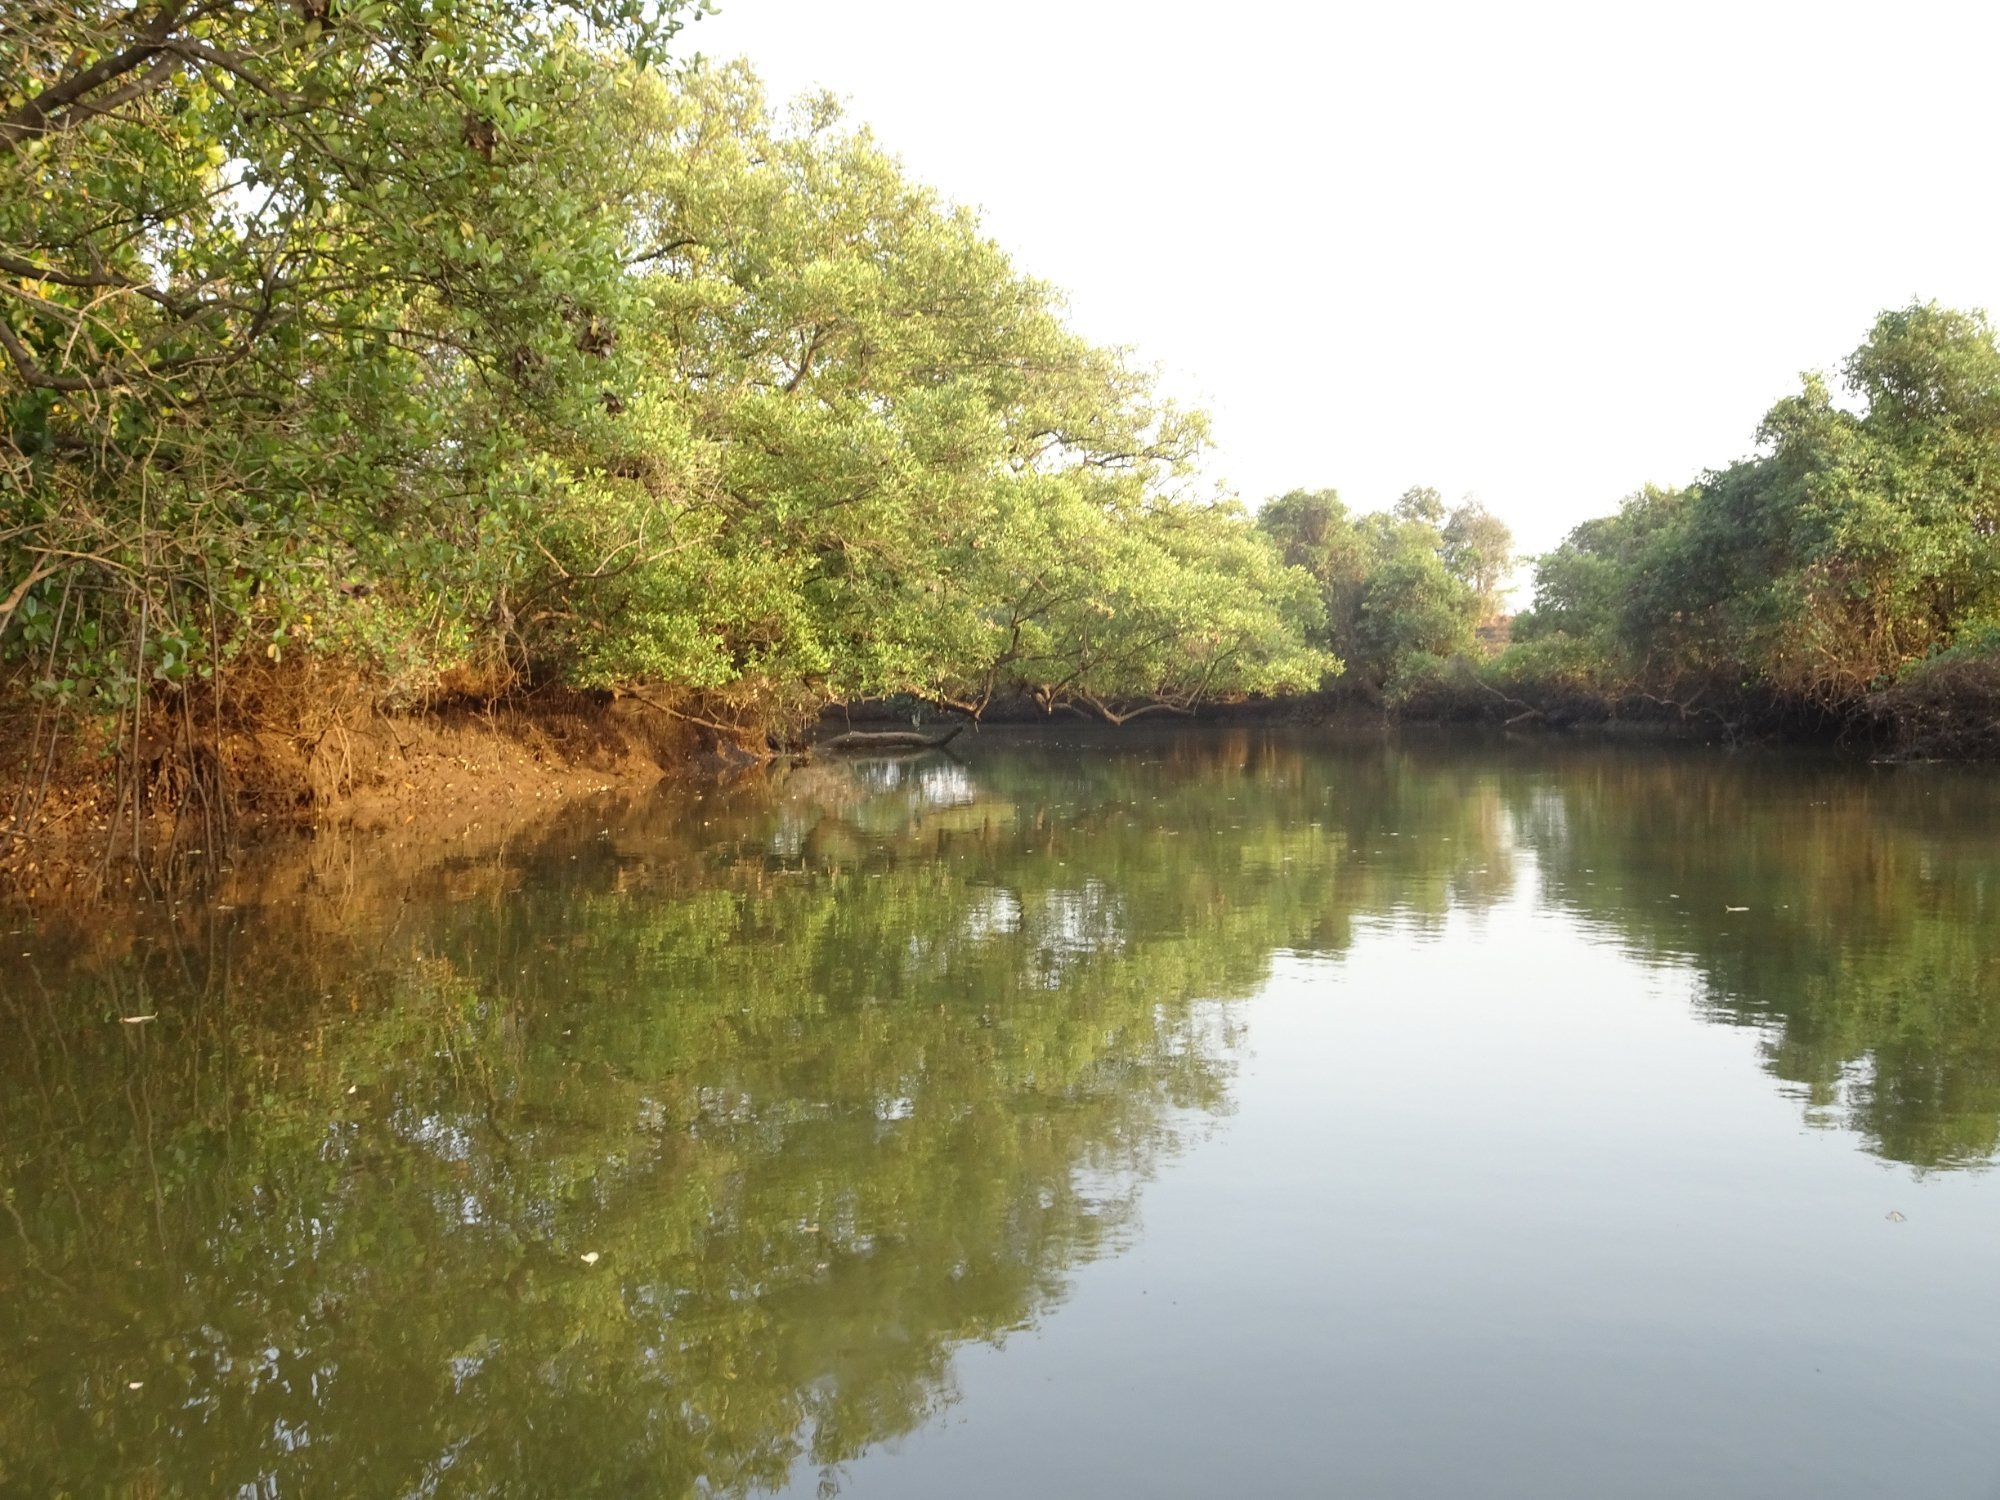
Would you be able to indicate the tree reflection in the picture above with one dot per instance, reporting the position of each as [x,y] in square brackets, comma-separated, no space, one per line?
[1862,944]
[831,1070]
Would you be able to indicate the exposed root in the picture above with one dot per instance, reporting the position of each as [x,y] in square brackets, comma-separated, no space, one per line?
[1947,710]
[92,804]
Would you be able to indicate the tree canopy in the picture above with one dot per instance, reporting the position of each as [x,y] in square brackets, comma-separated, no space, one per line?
[472,345]
[1862,539]
[1401,588]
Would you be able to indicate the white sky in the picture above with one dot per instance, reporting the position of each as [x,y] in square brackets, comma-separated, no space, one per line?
[1536,253]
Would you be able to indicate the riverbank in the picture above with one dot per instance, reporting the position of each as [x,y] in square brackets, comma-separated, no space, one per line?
[98,809]
[305,758]
[1946,709]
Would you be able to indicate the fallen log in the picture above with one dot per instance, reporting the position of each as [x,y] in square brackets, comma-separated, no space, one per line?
[887,741]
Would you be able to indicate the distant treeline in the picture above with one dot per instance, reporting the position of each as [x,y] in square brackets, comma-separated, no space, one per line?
[1848,574]
[1405,591]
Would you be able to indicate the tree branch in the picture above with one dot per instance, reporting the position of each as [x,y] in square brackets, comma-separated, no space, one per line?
[40,114]
[13,601]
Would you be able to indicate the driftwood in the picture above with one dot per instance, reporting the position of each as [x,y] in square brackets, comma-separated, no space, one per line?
[887,741]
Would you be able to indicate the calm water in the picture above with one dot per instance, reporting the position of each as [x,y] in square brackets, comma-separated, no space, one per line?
[1171,1115]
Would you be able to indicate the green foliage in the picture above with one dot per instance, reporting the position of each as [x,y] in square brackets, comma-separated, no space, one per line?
[1565,662]
[1865,538]
[277,283]
[440,336]
[1400,588]
[1526,680]
[915,478]
[1976,646]
[1583,589]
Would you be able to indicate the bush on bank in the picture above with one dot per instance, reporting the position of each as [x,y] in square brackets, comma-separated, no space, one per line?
[1845,578]
[467,347]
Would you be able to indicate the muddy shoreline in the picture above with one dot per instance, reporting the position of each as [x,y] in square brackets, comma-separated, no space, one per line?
[467,774]
[450,774]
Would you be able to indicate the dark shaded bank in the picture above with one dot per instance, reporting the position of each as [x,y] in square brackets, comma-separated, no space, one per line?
[1465,694]
[1947,710]
[1951,718]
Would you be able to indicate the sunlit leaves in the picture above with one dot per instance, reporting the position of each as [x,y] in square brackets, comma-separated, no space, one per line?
[1863,540]
[1398,588]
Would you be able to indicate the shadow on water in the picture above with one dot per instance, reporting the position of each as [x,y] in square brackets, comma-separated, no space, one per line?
[671,1152]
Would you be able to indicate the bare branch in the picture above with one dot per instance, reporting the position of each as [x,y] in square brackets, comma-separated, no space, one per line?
[13,601]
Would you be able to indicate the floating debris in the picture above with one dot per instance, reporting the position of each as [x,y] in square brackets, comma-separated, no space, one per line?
[590,1257]
[1736,908]
[139,1020]
[1893,1217]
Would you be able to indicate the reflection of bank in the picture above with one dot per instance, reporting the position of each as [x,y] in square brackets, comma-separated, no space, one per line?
[817,1129]
[1843,912]
[888,744]
[841,813]
[833,1070]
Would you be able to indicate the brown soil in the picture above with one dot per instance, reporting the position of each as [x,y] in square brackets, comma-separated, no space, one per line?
[299,758]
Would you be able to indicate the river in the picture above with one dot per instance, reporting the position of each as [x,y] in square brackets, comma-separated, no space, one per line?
[1165,1113]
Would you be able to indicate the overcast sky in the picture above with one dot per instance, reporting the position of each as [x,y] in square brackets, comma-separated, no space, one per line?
[1539,254]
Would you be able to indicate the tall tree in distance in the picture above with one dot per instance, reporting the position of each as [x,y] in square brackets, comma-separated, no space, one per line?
[1401,588]
[1479,551]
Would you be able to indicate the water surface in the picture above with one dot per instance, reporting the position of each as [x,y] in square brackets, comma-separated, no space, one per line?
[1160,1113]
